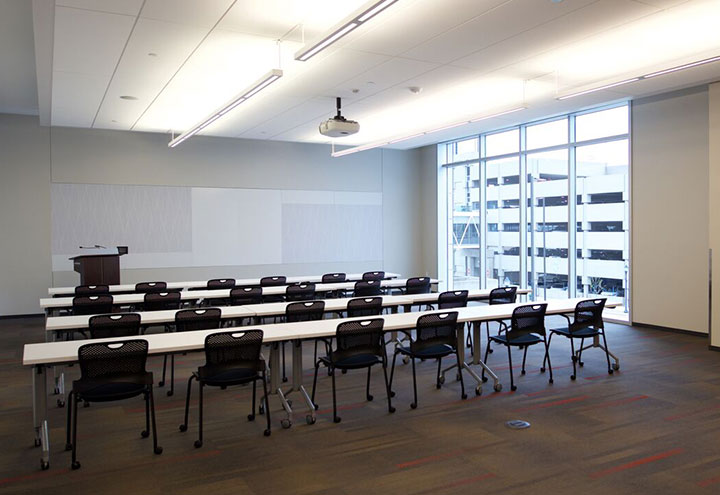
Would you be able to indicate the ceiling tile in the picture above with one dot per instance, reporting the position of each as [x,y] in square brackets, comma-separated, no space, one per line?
[126,7]
[76,97]
[189,12]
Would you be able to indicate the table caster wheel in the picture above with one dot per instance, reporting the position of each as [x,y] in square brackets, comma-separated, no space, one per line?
[406,360]
[266,433]
[478,390]
[497,387]
[44,465]
[60,403]
[74,465]
[197,444]
[144,433]
[183,427]
[310,419]
[286,423]
[616,366]
[158,450]
[484,379]
[441,380]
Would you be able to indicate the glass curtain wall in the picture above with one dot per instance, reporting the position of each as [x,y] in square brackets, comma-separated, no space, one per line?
[544,206]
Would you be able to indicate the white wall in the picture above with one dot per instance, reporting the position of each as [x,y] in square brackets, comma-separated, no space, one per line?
[33,157]
[25,271]
[670,210]
[714,207]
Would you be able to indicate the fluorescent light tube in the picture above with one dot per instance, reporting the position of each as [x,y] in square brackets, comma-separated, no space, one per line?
[306,54]
[600,88]
[252,90]
[681,67]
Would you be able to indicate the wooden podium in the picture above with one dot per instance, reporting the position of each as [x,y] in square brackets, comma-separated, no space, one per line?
[99,266]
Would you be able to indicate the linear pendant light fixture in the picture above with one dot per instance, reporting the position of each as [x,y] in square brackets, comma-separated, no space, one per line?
[378,144]
[306,54]
[242,97]
[646,76]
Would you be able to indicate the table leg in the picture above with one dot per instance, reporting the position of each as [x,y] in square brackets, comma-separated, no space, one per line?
[497,386]
[39,381]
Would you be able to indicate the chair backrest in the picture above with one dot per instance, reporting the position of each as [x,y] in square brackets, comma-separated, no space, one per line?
[111,326]
[245,295]
[359,337]
[105,359]
[453,299]
[333,278]
[273,281]
[436,329]
[300,292]
[147,287]
[90,305]
[91,290]
[503,295]
[188,320]
[373,276]
[221,283]
[364,306]
[364,288]
[158,301]
[588,313]
[237,349]
[304,311]
[527,319]
[417,285]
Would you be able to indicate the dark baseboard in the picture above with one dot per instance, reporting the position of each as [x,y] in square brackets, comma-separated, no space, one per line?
[669,329]
[33,315]
[714,348]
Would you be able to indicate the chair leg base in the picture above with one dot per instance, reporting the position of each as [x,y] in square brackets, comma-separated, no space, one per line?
[158,450]
[75,465]
[144,433]
[198,444]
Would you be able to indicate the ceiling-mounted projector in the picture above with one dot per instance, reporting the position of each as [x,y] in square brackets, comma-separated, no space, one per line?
[338,126]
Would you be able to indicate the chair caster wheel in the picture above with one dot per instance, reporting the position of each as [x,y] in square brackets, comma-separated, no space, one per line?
[74,465]
[441,380]
[513,388]
[183,427]
[616,366]
[197,444]
[158,450]
[251,417]
[144,433]
[56,391]
[497,387]
[316,406]
[44,465]
[344,372]
[37,442]
[60,403]
[522,372]
[542,370]
[261,409]
[391,409]
[484,379]
[573,377]
[284,379]
[406,360]
[581,363]
[610,372]
[161,383]
[369,397]
[551,380]
[438,385]
[491,351]
[286,423]
[463,396]
[170,393]
[413,405]
[392,393]
[337,419]
[266,433]
[68,446]
[478,390]
[310,419]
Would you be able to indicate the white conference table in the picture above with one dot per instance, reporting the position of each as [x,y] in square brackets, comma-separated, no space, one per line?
[198,284]
[43,355]
[51,304]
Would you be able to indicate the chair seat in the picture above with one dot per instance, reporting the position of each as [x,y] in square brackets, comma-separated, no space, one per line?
[115,388]
[435,351]
[223,377]
[352,362]
[527,339]
[583,333]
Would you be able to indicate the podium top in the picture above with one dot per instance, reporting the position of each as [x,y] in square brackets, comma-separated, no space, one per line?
[100,252]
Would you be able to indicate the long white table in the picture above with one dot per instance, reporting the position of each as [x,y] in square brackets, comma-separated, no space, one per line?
[44,355]
[50,304]
[197,284]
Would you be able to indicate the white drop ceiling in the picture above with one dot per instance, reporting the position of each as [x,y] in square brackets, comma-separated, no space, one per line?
[181,59]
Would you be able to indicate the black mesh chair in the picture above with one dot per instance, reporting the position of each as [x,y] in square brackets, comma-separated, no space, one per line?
[300,292]
[91,290]
[417,285]
[159,301]
[453,299]
[92,305]
[373,276]
[231,358]
[364,306]
[112,326]
[587,323]
[499,295]
[111,371]
[302,311]
[527,327]
[359,344]
[189,320]
[333,278]
[435,338]
[219,284]
[241,296]
[148,287]
[367,288]
[275,281]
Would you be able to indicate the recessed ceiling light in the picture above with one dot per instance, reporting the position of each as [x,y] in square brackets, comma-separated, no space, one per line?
[152,54]
[556,1]
[127,97]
